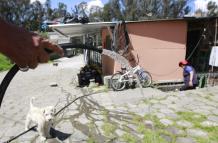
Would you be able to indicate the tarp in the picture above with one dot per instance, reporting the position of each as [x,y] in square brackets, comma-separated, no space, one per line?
[214,56]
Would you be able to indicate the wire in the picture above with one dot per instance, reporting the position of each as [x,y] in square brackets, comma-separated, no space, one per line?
[202,36]
[195,47]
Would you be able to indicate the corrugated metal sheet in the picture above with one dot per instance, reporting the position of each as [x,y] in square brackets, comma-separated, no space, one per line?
[77,29]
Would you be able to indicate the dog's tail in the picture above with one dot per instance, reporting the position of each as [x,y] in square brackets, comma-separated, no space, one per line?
[31,101]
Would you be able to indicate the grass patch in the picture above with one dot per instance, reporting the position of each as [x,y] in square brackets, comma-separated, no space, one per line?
[196,120]
[192,117]
[202,140]
[125,128]
[151,136]
[141,128]
[137,119]
[91,140]
[212,135]
[108,129]
[105,114]
[129,138]
[155,120]
[208,97]
[5,63]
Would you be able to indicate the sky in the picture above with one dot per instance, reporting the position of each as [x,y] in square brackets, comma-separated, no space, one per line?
[70,3]
[202,4]
[195,4]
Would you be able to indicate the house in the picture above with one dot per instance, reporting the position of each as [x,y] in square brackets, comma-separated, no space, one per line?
[161,44]
[157,45]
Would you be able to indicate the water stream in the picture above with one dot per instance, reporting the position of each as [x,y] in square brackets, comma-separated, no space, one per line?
[124,63]
[118,58]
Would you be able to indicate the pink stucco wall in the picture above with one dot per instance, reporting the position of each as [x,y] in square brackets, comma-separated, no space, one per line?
[160,45]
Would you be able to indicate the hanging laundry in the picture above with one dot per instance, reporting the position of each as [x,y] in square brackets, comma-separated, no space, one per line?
[214,56]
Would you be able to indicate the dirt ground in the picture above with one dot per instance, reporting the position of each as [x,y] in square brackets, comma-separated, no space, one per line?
[135,115]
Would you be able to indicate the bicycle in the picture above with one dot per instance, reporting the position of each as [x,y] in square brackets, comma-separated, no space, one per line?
[122,79]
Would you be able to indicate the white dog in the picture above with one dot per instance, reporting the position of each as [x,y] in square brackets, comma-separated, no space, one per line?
[42,117]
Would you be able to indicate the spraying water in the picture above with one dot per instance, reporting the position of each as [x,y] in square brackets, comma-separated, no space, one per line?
[118,58]
[123,61]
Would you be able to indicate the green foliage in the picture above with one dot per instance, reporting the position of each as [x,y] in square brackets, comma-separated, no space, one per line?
[91,140]
[108,128]
[30,15]
[44,35]
[5,63]
[196,120]
[212,8]
[192,117]
[154,119]
[151,136]
[145,9]
[212,133]
[127,137]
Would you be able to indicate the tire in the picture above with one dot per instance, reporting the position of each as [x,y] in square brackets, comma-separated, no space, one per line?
[117,86]
[147,79]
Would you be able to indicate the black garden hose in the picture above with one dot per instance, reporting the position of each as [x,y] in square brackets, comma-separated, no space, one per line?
[6,81]
[12,72]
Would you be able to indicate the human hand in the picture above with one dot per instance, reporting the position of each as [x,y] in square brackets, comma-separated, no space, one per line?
[190,83]
[25,48]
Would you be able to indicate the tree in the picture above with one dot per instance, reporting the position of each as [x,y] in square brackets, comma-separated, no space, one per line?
[48,10]
[23,13]
[14,11]
[95,14]
[106,13]
[212,9]
[175,8]
[59,12]
[37,16]
[145,9]
[199,13]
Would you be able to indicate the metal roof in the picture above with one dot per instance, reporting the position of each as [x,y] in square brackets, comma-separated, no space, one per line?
[78,29]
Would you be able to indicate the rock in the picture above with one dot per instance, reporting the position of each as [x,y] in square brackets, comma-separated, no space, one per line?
[196,133]
[213,118]
[184,140]
[208,124]
[166,111]
[215,112]
[83,119]
[166,138]
[202,111]
[64,126]
[120,132]
[53,141]
[149,124]
[172,115]
[132,127]
[160,115]
[53,84]
[185,124]
[166,122]
[175,131]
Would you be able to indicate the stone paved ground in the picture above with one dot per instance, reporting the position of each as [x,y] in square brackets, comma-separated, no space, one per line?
[131,116]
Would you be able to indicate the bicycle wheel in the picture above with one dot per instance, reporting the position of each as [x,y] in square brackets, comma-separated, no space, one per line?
[115,84]
[146,81]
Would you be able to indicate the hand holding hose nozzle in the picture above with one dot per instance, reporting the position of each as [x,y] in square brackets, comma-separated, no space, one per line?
[25,49]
